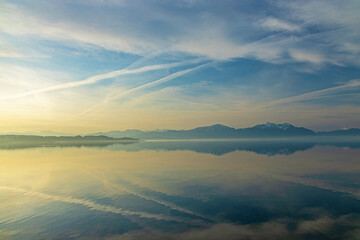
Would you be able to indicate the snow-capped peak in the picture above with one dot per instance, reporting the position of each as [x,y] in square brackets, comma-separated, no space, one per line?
[283,126]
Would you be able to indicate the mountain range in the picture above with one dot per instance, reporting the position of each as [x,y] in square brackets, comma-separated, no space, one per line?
[218,131]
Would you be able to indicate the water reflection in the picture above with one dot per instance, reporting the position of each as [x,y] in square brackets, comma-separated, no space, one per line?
[100,193]
[270,147]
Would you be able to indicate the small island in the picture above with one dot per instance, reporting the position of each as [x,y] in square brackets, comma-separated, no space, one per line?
[21,141]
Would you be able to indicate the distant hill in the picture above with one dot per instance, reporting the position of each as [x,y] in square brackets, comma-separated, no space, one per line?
[32,140]
[218,131]
[276,130]
[348,132]
[119,134]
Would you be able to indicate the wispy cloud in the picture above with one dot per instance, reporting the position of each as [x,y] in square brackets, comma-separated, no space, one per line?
[100,77]
[144,86]
[303,56]
[10,53]
[316,94]
[203,33]
[275,24]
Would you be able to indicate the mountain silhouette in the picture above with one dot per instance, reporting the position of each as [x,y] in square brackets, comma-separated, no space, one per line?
[218,131]
[348,132]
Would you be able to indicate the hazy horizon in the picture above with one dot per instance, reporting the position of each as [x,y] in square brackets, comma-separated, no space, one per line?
[49,132]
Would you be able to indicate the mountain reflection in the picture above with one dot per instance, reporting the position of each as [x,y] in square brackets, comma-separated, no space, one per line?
[219,148]
[214,147]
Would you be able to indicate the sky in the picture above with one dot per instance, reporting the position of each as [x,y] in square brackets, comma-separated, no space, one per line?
[98,65]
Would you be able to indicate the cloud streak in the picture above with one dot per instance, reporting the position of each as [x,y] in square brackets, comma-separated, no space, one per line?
[315,94]
[144,86]
[97,78]
[275,24]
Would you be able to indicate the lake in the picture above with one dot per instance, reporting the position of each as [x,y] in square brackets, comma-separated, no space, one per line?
[182,190]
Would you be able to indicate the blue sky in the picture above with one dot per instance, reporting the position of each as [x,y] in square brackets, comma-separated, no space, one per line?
[91,65]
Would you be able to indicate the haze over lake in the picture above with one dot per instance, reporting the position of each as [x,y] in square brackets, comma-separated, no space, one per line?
[117,192]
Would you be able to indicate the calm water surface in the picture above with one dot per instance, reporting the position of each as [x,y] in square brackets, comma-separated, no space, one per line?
[181,190]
